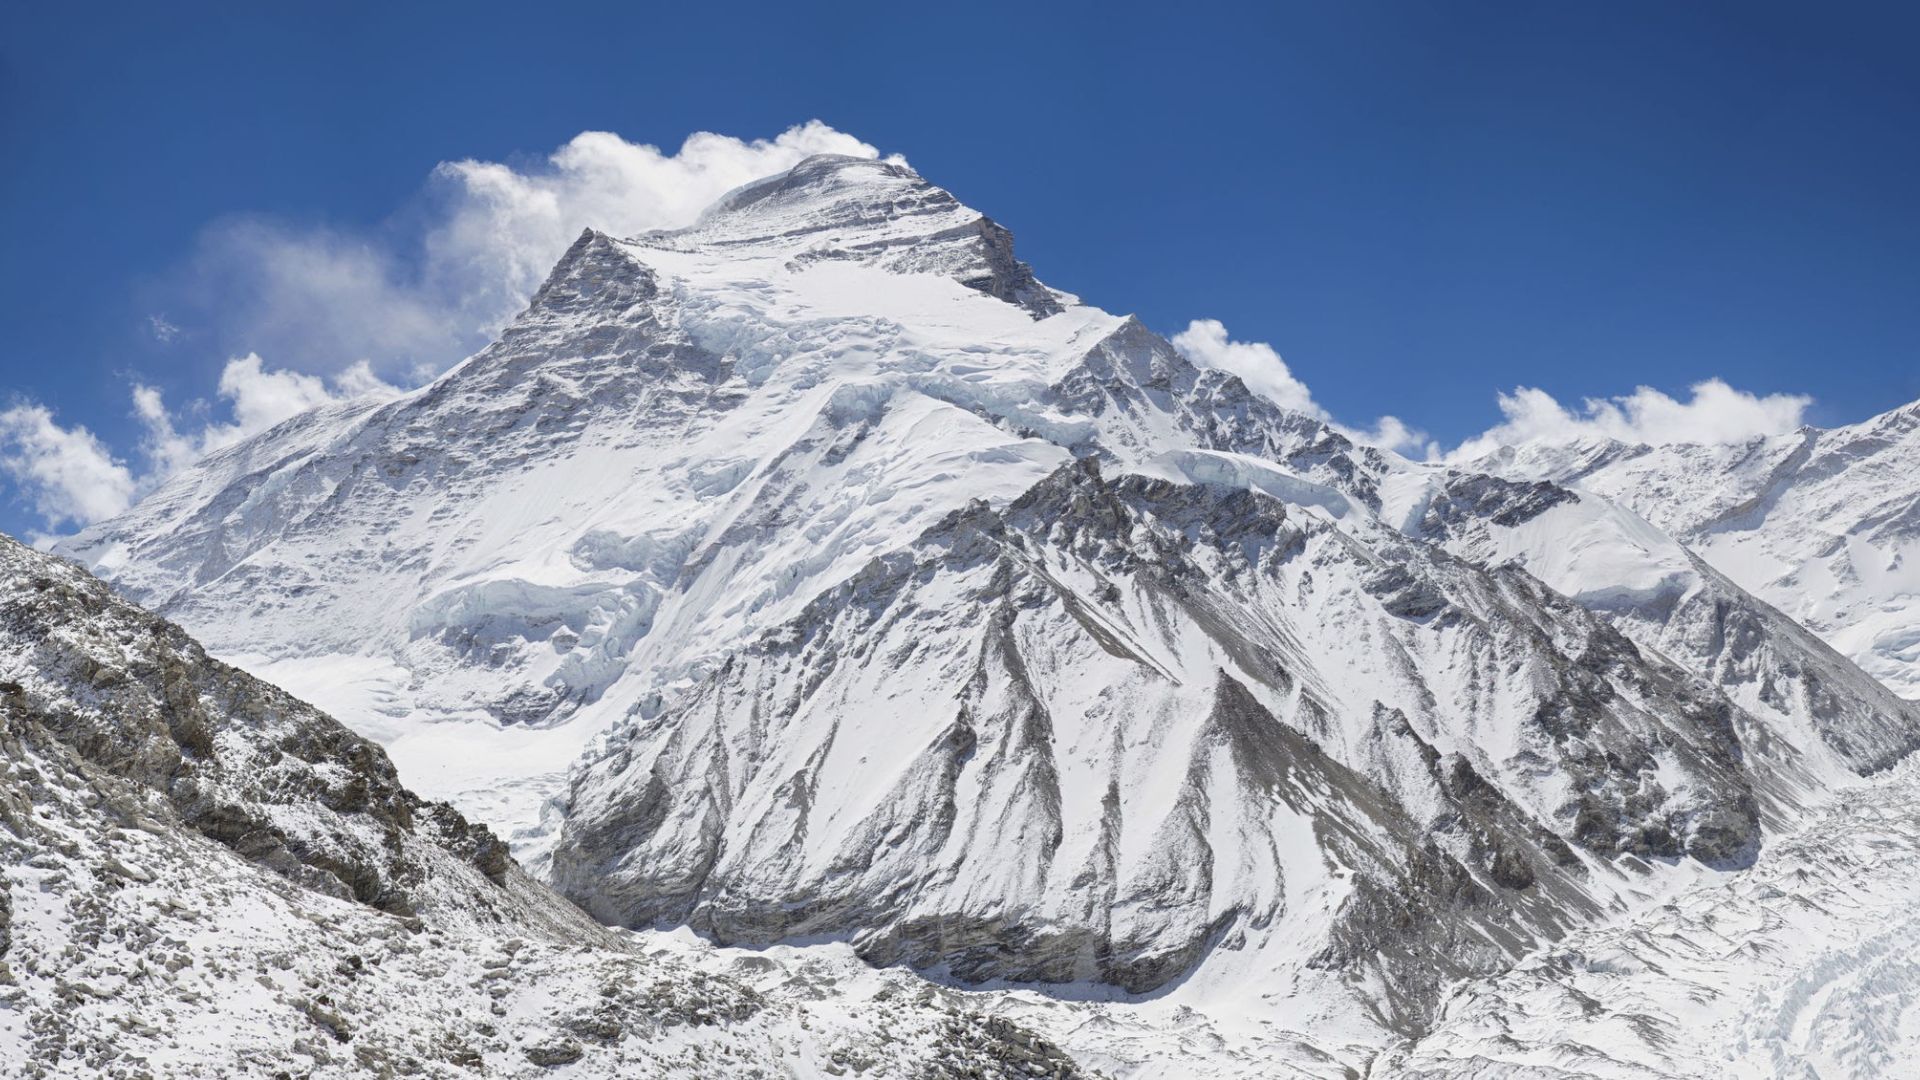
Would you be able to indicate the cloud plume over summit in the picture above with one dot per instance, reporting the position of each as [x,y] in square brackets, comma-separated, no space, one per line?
[414,296]
[343,312]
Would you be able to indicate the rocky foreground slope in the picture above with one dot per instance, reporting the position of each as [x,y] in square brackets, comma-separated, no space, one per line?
[205,877]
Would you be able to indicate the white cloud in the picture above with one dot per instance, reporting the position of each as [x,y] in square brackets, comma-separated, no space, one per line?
[71,477]
[257,399]
[314,299]
[435,284]
[1715,413]
[1205,343]
[68,474]
[1391,433]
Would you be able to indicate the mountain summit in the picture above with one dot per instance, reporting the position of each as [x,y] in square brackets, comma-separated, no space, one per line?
[880,213]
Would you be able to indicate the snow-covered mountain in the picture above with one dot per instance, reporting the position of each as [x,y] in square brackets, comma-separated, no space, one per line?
[1824,524]
[816,574]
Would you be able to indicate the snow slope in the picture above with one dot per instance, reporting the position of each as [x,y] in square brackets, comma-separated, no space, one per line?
[1095,737]
[1804,966]
[592,496]
[1821,523]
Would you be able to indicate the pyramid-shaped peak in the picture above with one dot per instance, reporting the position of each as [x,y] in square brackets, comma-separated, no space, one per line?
[833,184]
[826,197]
[594,272]
[876,211]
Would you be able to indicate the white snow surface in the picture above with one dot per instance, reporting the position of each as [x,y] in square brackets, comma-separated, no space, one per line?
[1803,966]
[1820,523]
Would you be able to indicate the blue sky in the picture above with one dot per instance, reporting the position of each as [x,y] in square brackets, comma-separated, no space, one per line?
[1419,205]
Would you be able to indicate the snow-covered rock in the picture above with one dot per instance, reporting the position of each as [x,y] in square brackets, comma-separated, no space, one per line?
[1804,966]
[1115,725]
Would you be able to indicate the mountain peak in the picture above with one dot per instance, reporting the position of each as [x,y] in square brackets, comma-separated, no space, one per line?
[874,211]
[833,189]
[591,267]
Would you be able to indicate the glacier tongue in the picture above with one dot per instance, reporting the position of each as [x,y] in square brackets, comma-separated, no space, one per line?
[815,573]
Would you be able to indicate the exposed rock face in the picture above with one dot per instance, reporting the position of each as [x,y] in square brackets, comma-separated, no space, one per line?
[239,761]
[1007,278]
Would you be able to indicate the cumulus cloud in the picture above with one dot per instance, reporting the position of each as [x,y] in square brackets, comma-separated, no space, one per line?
[1714,413]
[72,478]
[65,472]
[1205,342]
[436,284]
[1392,433]
[256,398]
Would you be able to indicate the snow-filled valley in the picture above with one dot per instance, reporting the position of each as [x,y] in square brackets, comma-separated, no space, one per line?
[854,625]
